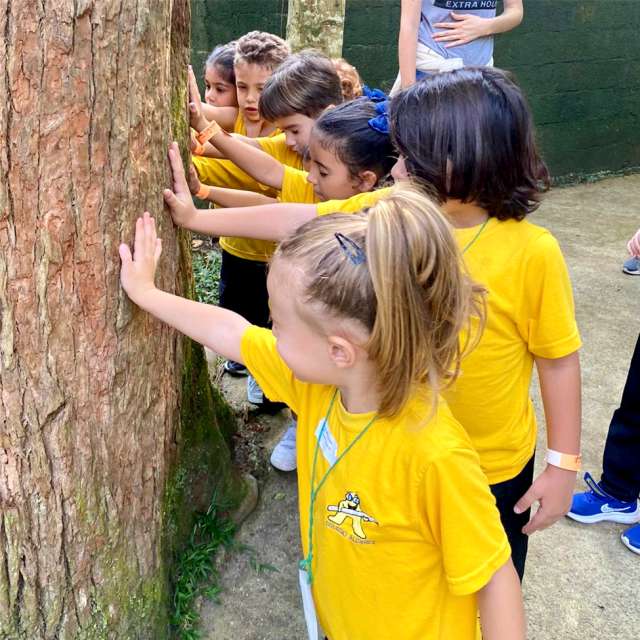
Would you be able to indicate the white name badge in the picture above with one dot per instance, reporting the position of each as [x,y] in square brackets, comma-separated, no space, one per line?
[327,442]
[307,604]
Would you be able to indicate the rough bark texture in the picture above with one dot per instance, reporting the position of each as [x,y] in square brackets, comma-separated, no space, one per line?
[98,443]
[317,24]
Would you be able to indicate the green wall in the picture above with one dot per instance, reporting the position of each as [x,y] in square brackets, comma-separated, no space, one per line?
[577,60]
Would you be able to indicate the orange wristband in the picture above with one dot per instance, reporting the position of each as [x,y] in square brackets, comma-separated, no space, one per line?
[203,192]
[198,149]
[212,129]
[567,461]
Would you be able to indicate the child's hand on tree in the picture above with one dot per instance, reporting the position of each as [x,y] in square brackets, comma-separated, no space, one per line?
[138,271]
[196,117]
[179,200]
[194,182]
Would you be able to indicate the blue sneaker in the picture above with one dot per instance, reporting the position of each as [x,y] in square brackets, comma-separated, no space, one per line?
[631,266]
[631,539]
[596,505]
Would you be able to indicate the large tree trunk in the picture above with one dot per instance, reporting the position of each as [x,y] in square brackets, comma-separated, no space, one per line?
[317,24]
[100,447]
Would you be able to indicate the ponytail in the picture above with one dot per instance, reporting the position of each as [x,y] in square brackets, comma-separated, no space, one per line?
[424,298]
[410,291]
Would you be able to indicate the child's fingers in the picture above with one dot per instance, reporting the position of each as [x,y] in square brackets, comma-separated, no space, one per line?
[150,235]
[194,92]
[177,169]
[138,241]
[156,256]
[125,254]
[526,500]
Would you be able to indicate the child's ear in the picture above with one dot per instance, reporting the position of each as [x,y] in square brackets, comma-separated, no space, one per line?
[341,352]
[368,180]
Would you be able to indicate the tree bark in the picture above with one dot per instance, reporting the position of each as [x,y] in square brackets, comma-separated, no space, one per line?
[317,24]
[100,448]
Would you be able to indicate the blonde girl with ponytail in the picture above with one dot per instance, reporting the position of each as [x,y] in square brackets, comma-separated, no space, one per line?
[400,533]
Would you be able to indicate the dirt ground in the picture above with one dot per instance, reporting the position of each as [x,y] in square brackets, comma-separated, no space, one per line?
[581,582]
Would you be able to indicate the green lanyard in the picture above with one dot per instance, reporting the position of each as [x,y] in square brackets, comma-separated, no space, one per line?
[305,564]
[484,224]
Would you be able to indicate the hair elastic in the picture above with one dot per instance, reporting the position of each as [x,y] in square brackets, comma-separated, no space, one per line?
[375,95]
[381,122]
[351,249]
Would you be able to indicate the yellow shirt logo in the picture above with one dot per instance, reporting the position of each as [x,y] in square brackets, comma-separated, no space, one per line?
[349,511]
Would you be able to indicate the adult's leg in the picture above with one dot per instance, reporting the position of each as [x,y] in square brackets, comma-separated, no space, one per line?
[507,493]
[621,459]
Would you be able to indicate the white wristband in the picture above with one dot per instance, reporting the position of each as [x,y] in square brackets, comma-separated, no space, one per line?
[567,461]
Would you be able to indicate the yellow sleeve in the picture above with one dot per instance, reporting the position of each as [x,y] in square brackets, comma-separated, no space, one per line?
[354,203]
[546,315]
[224,173]
[277,148]
[296,187]
[463,519]
[260,356]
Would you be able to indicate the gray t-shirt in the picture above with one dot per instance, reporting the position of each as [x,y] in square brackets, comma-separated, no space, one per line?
[478,52]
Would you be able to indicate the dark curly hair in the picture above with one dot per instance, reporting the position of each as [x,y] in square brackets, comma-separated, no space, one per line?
[468,135]
[261,48]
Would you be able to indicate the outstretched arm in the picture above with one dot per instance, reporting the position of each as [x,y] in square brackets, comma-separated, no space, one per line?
[266,222]
[219,329]
[501,607]
[201,114]
[258,164]
[225,197]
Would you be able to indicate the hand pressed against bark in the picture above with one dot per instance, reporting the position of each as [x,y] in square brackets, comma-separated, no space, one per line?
[196,117]
[179,200]
[138,271]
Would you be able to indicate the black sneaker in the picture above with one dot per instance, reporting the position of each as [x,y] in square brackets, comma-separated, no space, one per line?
[235,368]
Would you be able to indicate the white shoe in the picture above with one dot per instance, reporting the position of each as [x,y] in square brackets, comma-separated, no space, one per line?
[254,392]
[283,456]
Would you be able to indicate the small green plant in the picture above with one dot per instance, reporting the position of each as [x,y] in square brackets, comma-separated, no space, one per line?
[206,274]
[254,563]
[196,574]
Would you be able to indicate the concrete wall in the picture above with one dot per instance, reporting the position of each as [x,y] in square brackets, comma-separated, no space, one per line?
[577,60]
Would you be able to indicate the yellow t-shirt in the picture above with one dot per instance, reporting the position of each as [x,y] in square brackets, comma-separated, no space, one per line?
[296,187]
[354,203]
[429,536]
[276,147]
[224,173]
[530,312]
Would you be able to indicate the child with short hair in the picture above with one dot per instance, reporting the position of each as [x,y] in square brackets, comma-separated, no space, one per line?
[293,98]
[347,155]
[257,55]
[243,268]
[399,529]
[220,77]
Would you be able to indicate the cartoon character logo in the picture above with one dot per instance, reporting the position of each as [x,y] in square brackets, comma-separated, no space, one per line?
[349,508]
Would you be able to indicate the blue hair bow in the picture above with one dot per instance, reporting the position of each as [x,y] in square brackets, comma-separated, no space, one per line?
[375,95]
[381,122]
